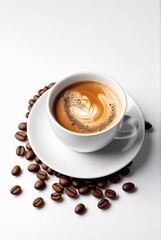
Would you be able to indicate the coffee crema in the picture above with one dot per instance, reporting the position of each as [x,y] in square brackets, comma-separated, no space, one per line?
[87,107]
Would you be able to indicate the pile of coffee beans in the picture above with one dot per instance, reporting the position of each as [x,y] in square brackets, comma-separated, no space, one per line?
[71,187]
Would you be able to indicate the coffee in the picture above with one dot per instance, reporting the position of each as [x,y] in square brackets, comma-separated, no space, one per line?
[87,107]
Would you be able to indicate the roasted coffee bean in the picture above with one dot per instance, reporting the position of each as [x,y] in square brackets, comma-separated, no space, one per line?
[32,102]
[30,155]
[39,184]
[96,192]
[56,196]
[15,190]
[80,208]
[41,91]
[20,151]
[38,202]
[148,125]
[34,167]
[29,108]
[27,114]
[125,171]
[71,192]
[21,136]
[114,179]
[110,193]
[50,171]
[28,146]
[103,203]
[58,187]
[41,175]
[51,84]
[128,187]
[65,181]
[57,174]
[16,170]
[22,126]
[76,183]
[46,88]
[37,160]
[35,97]
[44,166]
[84,190]
[102,183]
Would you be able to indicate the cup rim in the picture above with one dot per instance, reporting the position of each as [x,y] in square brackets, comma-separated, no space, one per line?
[84,134]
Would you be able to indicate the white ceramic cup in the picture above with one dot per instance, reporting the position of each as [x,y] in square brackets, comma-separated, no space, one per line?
[94,141]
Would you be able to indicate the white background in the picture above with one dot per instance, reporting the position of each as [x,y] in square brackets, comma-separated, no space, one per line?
[43,41]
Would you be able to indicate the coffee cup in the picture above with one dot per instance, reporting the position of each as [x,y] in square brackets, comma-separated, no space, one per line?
[95,137]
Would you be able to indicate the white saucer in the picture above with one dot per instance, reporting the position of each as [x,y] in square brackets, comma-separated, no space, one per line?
[56,155]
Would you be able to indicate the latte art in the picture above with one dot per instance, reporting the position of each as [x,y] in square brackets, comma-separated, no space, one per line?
[87,107]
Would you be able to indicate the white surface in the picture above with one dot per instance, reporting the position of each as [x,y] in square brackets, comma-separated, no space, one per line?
[82,165]
[41,41]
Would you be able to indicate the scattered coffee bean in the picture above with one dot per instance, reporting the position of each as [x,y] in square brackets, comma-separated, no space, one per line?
[114,179]
[35,97]
[38,202]
[57,174]
[22,126]
[56,196]
[125,171]
[41,91]
[102,183]
[37,160]
[34,167]
[32,102]
[96,192]
[80,208]
[15,190]
[41,175]
[148,125]
[28,146]
[76,183]
[50,171]
[21,136]
[65,181]
[103,203]
[39,184]
[58,187]
[110,193]
[84,190]
[27,114]
[20,151]
[71,192]
[16,170]
[29,108]
[30,155]
[128,187]
[44,166]
[51,84]
[46,88]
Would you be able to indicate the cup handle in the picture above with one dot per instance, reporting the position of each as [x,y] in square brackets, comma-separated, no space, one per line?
[131,122]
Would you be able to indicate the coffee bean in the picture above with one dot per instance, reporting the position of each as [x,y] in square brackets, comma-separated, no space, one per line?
[80,208]
[37,160]
[148,125]
[38,202]
[103,203]
[102,183]
[128,187]
[41,91]
[28,146]
[21,136]
[39,184]
[57,174]
[125,171]
[35,97]
[34,167]
[27,114]
[110,193]
[84,190]
[114,179]
[22,126]
[51,84]
[76,183]
[46,88]
[58,187]
[30,155]
[56,196]
[96,192]
[50,171]
[129,164]
[44,166]
[32,102]
[65,181]
[20,151]
[16,170]
[29,108]
[15,190]
[71,192]
[41,175]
